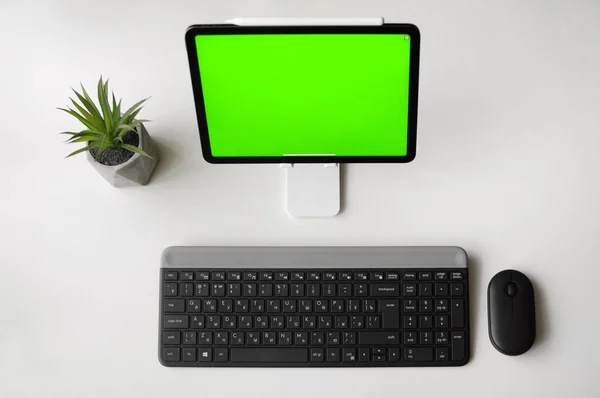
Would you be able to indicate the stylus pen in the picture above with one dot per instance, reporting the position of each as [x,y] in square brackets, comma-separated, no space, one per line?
[305,21]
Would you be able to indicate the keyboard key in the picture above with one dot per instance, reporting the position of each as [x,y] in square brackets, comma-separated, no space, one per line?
[425,305]
[250,276]
[376,276]
[213,322]
[456,289]
[333,355]
[410,338]
[269,338]
[205,338]
[317,355]
[189,338]
[357,322]
[170,289]
[265,290]
[360,289]
[349,355]
[353,305]
[198,322]
[171,337]
[441,321]
[457,313]
[257,306]
[345,290]
[293,322]
[378,351]
[277,322]
[441,305]
[410,305]
[360,276]
[425,337]
[329,276]
[189,354]
[194,305]
[210,305]
[245,322]
[363,354]
[392,276]
[321,306]
[369,306]
[250,289]
[305,306]
[458,346]
[237,338]
[234,289]
[456,276]
[441,276]
[218,276]
[345,276]
[425,289]
[341,322]
[409,276]
[272,355]
[186,289]
[187,276]
[317,338]
[337,305]
[325,322]
[425,321]
[204,354]
[202,276]
[394,354]
[229,321]
[313,290]
[441,337]
[441,354]
[234,276]
[218,289]
[170,276]
[281,290]
[170,354]
[349,338]
[333,338]
[253,338]
[301,338]
[281,276]
[266,276]
[173,305]
[297,290]
[390,313]
[378,358]
[385,290]
[420,354]
[410,322]
[441,289]
[175,321]
[314,276]
[309,322]
[409,289]
[378,338]
[425,276]
[221,338]
[222,354]
[297,276]
[202,290]
[289,306]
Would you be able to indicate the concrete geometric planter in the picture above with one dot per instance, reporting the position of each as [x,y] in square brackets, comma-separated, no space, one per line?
[137,170]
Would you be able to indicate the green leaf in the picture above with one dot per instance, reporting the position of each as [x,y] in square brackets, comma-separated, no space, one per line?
[87,148]
[78,117]
[127,114]
[83,138]
[91,109]
[87,116]
[105,106]
[136,150]
[115,110]
[90,101]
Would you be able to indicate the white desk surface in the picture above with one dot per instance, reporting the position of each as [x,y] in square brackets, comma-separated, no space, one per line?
[507,167]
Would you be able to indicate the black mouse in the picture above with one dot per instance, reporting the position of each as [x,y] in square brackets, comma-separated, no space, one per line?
[511,312]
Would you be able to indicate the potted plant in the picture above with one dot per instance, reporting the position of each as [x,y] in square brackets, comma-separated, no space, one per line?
[116,143]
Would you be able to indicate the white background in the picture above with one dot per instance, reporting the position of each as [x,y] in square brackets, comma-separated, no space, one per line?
[507,167]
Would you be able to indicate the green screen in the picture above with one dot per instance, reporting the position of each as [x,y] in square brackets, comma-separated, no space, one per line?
[305,94]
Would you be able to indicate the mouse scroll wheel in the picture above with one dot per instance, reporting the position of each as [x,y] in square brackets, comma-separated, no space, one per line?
[511,289]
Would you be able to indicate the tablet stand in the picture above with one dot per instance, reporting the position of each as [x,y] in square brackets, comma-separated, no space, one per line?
[313,189]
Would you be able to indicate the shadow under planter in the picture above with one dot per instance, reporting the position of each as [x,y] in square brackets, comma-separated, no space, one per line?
[135,171]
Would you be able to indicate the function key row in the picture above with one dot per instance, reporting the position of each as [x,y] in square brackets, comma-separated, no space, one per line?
[310,276]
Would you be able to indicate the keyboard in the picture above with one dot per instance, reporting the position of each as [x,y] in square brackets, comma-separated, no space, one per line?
[314,307]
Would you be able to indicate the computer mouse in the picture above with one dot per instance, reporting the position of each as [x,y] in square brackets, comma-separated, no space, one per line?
[511,312]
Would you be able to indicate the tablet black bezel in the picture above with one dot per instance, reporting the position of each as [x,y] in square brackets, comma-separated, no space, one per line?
[409,29]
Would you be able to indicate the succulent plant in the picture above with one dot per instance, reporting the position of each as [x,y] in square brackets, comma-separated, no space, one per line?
[105,126]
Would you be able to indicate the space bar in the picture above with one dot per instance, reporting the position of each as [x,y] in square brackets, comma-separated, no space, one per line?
[269,355]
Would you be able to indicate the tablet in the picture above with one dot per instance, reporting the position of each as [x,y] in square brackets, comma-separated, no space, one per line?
[298,94]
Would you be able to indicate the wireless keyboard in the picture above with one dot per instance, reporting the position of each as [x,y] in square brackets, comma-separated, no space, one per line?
[314,307]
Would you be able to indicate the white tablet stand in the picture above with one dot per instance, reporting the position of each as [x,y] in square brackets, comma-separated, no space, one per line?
[313,189]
